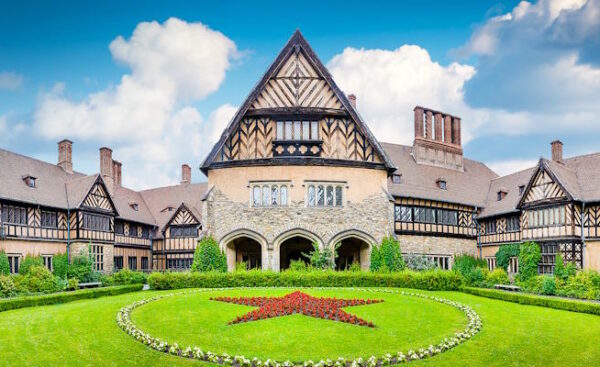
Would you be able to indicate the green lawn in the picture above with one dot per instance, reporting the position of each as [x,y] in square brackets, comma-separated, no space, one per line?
[85,332]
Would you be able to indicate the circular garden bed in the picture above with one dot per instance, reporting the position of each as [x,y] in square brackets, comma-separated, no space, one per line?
[315,326]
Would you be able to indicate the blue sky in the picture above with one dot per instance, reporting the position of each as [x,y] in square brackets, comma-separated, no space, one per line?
[520,75]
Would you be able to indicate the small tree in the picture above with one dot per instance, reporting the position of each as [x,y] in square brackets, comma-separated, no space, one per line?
[28,262]
[375,259]
[388,256]
[4,264]
[505,252]
[59,265]
[561,271]
[209,257]
[529,258]
[322,259]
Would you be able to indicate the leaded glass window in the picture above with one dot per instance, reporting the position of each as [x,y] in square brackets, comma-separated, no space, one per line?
[329,196]
[312,200]
[320,195]
[339,198]
[284,195]
[274,195]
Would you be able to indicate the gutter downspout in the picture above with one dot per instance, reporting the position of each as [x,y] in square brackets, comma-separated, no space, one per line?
[68,228]
[477,228]
[1,225]
[582,235]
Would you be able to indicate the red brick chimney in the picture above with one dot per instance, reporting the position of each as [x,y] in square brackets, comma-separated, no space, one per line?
[186,174]
[437,139]
[117,172]
[65,155]
[106,168]
[557,151]
[352,99]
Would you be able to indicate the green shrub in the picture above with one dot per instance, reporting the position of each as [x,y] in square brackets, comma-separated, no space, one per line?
[505,252]
[429,280]
[50,299]
[389,256]
[477,277]
[297,265]
[322,259]
[497,276]
[585,285]
[530,299]
[60,264]
[529,258]
[4,264]
[7,286]
[209,257]
[548,286]
[466,263]
[81,268]
[123,277]
[72,284]
[28,262]
[375,259]
[241,266]
[418,262]
[38,279]
[355,266]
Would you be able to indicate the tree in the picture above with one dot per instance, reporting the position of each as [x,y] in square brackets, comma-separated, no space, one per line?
[60,265]
[529,258]
[505,252]
[209,257]
[4,264]
[388,257]
[322,259]
[28,262]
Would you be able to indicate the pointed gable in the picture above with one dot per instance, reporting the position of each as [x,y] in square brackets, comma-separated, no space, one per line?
[183,217]
[98,198]
[296,112]
[543,186]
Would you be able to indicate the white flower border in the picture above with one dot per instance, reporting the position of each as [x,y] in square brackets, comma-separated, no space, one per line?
[194,352]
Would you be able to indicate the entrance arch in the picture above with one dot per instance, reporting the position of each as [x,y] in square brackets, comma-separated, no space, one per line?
[292,244]
[355,247]
[244,246]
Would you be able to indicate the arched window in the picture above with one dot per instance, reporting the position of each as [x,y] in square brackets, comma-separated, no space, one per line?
[329,196]
[311,196]
[265,195]
[274,195]
[256,196]
[284,194]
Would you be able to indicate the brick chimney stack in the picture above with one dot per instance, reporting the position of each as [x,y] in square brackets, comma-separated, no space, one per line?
[117,172]
[106,168]
[65,155]
[352,99]
[557,151]
[437,139]
[186,174]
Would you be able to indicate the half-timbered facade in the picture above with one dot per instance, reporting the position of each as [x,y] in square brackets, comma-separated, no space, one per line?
[298,166]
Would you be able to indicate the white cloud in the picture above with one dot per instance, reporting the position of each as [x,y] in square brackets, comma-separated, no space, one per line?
[10,80]
[146,118]
[389,83]
[511,166]
[218,121]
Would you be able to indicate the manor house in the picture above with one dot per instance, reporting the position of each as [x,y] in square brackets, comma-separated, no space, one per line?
[298,165]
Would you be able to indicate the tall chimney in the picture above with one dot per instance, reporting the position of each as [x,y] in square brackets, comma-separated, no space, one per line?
[438,126]
[456,131]
[447,129]
[186,174]
[418,122]
[106,168]
[65,155]
[117,172]
[352,99]
[557,151]
[428,123]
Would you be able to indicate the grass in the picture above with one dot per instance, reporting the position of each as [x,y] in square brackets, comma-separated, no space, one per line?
[84,333]
[402,323]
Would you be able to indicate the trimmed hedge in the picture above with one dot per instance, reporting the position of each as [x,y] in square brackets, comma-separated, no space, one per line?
[535,300]
[429,280]
[63,297]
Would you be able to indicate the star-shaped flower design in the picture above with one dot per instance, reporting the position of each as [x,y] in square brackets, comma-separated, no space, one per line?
[299,303]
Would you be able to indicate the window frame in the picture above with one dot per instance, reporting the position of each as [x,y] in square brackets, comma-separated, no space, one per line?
[332,194]
[259,188]
[297,130]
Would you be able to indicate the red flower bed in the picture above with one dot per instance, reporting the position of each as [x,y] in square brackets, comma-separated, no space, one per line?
[299,303]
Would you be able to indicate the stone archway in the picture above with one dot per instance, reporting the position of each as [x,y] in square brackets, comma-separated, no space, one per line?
[291,245]
[355,247]
[245,245]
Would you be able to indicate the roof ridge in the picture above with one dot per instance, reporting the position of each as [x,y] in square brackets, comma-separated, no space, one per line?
[171,186]
[41,161]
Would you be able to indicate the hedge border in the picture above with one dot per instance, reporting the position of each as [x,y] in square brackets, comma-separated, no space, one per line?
[536,300]
[64,297]
[435,280]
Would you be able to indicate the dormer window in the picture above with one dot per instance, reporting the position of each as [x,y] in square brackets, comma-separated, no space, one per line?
[521,189]
[441,182]
[396,179]
[134,206]
[168,209]
[29,181]
[500,195]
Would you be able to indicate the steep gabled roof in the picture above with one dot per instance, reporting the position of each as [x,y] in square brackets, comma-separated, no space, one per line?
[510,183]
[296,43]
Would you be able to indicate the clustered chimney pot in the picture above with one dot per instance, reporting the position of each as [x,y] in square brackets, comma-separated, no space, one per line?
[186,174]
[352,99]
[557,151]
[65,155]
[117,166]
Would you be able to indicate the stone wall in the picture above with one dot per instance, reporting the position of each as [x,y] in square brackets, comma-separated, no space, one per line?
[82,249]
[437,245]
[370,219]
